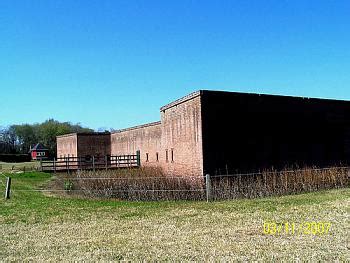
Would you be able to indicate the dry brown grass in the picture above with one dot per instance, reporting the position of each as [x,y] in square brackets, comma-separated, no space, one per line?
[147,184]
[270,183]
[142,184]
[38,228]
[222,231]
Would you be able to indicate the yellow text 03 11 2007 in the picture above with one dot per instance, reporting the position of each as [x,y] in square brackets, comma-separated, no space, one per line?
[294,228]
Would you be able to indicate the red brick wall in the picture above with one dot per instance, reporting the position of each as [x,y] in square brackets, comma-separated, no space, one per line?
[94,144]
[146,138]
[67,144]
[176,139]
[78,144]
[182,133]
[178,135]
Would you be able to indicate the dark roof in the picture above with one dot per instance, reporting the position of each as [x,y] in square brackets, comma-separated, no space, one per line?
[39,146]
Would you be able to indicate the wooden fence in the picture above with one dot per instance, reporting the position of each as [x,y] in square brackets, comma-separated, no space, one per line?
[92,163]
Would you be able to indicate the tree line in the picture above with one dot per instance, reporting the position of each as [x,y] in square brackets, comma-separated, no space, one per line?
[20,138]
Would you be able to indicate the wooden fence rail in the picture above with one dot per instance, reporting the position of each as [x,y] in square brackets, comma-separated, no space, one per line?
[92,163]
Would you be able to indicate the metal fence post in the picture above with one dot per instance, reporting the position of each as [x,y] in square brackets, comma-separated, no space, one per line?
[138,158]
[41,165]
[93,163]
[106,162]
[8,187]
[208,187]
[54,165]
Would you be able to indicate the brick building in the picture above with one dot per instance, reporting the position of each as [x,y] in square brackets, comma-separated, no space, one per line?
[218,132]
[84,144]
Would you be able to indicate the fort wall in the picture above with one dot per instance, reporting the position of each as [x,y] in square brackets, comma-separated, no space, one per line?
[174,143]
[67,145]
[145,138]
[245,133]
[95,144]
[219,132]
[181,125]
[83,144]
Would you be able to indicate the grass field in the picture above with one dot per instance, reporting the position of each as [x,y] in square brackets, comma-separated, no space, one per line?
[28,166]
[38,227]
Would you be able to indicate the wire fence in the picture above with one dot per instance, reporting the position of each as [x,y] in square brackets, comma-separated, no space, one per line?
[154,186]
[271,183]
[126,178]
[146,184]
[113,191]
[283,171]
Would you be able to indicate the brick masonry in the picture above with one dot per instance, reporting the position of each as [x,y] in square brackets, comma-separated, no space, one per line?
[181,125]
[173,144]
[146,138]
[67,145]
[94,144]
[84,144]
[226,132]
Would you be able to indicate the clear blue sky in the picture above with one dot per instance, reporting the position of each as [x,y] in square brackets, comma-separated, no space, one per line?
[115,63]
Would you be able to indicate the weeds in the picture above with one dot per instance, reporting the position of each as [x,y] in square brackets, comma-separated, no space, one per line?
[143,184]
[270,183]
[68,185]
[147,184]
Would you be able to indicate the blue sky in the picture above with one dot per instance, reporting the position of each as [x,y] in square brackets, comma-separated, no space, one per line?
[114,63]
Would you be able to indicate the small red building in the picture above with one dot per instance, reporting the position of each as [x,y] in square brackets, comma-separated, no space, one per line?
[39,152]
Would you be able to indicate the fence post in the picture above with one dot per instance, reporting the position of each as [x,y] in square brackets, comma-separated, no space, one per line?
[208,187]
[54,165]
[138,158]
[8,187]
[41,165]
[106,162]
[93,163]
